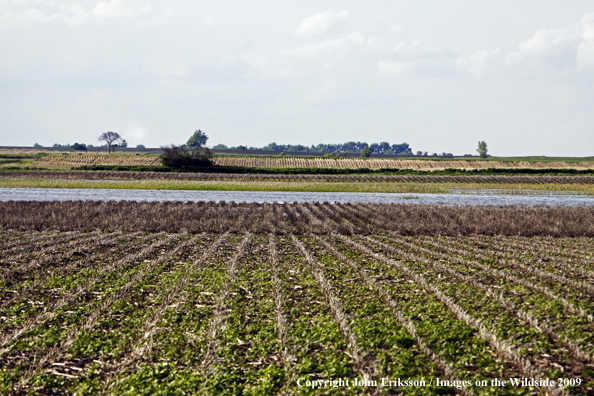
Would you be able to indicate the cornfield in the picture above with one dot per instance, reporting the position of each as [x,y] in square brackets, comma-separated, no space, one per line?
[421,165]
[341,163]
[226,299]
[86,159]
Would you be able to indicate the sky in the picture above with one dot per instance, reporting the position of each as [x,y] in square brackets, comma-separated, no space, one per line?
[439,75]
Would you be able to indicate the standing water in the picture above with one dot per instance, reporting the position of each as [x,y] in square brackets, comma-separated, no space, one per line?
[471,197]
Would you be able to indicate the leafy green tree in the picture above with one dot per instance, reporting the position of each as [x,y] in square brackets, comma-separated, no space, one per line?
[482,149]
[366,152]
[197,140]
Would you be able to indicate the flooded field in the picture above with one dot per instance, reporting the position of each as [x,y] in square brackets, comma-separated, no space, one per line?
[457,197]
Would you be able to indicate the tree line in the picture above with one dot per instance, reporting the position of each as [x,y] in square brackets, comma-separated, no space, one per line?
[348,147]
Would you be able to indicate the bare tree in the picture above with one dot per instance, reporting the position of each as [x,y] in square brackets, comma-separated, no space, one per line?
[110,138]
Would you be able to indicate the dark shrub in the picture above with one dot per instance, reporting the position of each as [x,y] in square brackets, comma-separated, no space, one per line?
[182,157]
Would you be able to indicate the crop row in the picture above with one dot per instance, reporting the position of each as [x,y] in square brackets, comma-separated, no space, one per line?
[258,313]
[403,219]
[304,162]
[240,177]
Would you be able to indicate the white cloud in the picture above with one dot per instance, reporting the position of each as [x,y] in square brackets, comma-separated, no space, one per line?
[568,47]
[393,68]
[557,46]
[585,54]
[545,41]
[477,62]
[337,46]
[323,54]
[105,8]
[19,15]
[320,22]
[324,93]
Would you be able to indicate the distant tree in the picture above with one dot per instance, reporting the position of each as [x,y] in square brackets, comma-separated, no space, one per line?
[111,138]
[37,145]
[402,148]
[79,147]
[419,153]
[198,139]
[140,146]
[220,147]
[241,148]
[124,143]
[366,152]
[273,147]
[482,149]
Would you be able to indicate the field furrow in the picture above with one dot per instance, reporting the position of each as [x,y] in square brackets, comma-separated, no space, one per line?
[294,299]
[363,362]
[33,258]
[492,290]
[548,354]
[533,284]
[142,348]
[178,342]
[34,243]
[401,342]
[552,275]
[503,348]
[44,347]
[33,283]
[567,260]
[545,314]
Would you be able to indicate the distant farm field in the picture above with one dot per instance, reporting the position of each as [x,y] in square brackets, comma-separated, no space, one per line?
[69,160]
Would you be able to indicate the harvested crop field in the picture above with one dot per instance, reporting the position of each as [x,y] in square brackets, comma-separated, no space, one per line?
[69,160]
[276,299]
[255,313]
[246,177]
[299,218]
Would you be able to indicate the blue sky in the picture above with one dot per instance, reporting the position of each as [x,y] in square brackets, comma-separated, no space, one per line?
[440,75]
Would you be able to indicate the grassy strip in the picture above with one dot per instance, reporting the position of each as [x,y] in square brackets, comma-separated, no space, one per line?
[379,187]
